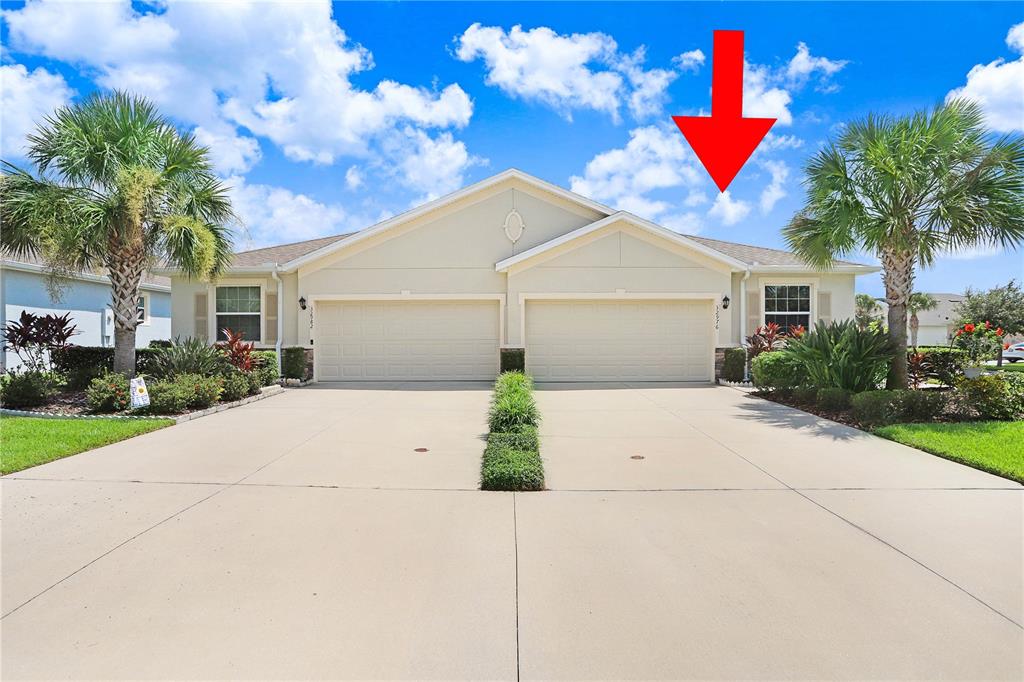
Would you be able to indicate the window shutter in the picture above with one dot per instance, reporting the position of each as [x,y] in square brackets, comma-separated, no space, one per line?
[201,316]
[270,318]
[825,307]
[753,311]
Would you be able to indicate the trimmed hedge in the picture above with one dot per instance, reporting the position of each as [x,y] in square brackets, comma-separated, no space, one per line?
[832,399]
[82,364]
[777,371]
[264,363]
[511,460]
[293,363]
[512,360]
[734,364]
[875,408]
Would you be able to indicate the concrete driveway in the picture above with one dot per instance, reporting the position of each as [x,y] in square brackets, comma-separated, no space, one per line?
[305,537]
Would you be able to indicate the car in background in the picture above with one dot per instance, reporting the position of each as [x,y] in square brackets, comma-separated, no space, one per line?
[1014,353]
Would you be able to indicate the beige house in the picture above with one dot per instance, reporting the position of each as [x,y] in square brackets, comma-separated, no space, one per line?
[511,262]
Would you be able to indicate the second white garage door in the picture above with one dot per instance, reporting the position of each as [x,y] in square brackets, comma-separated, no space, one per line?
[399,340]
[619,340]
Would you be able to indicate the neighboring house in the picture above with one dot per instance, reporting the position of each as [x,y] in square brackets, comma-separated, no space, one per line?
[936,326]
[511,262]
[87,297]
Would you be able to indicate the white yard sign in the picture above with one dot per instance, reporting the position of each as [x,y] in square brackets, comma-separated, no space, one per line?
[140,396]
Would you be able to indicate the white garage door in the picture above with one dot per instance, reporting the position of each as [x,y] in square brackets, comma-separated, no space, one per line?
[398,340]
[619,341]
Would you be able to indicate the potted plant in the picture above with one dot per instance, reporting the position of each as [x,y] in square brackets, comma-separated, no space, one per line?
[981,342]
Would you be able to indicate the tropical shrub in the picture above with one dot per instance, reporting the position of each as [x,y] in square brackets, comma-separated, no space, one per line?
[33,337]
[187,356]
[991,396]
[944,363]
[921,406]
[777,371]
[254,382]
[841,355]
[109,392]
[874,408]
[237,351]
[525,438]
[293,363]
[834,399]
[918,368]
[734,364]
[30,388]
[766,339]
[203,390]
[512,405]
[235,386]
[979,341]
[168,396]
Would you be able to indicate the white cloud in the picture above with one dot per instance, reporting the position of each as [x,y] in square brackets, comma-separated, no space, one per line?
[566,72]
[229,152]
[26,97]
[974,253]
[996,86]
[684,223]
[761,96]
[655,159]
[728,210]
[776,189]
[773,142]
[433,166]
[354,177]
[803,66]
[272,215]
[689,61]
[280,71]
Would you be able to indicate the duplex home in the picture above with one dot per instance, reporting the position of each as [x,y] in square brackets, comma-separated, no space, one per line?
[511,262]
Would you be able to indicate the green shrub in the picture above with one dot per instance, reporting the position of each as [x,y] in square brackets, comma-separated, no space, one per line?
[999,396]
[777,371]
[512,405]
[504,468]
[875,408]
[525,438]
[254,382]
[921,405]
[945,364]
[512,360]
[264,362]
[203,391]
[734,364]
[235,386]
[19,390]
[833,399]
[108,393]
[160,343]
[842,355]
[85,363]
[805,395]
[187,356]
[293,363]
[168,397]
[80,377]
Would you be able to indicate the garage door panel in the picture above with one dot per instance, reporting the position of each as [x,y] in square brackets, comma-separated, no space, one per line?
[609,340]
[425,340]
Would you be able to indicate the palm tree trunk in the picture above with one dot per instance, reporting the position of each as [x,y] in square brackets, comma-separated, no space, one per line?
[125,271]
[914,324]
[898,278]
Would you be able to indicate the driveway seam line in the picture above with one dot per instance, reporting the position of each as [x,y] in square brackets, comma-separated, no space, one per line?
[515,552]
[159,523]
[846,520]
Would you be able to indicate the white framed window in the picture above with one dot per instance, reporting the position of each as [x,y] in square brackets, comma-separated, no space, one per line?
[142,309]
[239,308]
[787,305]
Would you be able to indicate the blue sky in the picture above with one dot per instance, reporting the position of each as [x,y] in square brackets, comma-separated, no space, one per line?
[326,119]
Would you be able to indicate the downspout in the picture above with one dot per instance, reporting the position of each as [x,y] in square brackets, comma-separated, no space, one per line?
[743,318]
[280,316]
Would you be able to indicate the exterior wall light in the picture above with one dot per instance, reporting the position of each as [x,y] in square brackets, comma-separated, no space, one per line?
[725,303]
[302,302]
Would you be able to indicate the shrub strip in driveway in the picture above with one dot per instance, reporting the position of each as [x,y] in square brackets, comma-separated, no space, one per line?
[512,457]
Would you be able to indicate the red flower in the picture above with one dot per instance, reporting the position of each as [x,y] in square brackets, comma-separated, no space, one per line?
[968,327]
[999,331]
[988,325]
[1006,346]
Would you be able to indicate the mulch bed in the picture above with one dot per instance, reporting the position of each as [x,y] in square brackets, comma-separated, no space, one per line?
[71,403]
[841,417]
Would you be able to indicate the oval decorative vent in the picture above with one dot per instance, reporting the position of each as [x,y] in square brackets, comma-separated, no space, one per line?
[514,226]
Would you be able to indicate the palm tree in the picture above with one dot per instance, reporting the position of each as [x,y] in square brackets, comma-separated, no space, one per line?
[906,190]
[116,187]
[918,303]
[865,310]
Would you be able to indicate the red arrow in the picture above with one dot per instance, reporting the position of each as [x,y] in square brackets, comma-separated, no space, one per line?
[725,140]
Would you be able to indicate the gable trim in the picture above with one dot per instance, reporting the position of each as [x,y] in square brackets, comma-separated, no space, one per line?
[430,206]
[645,225]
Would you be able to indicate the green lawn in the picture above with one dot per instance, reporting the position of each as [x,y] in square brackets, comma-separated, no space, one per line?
[996,447]
[1015,367]
[28,441]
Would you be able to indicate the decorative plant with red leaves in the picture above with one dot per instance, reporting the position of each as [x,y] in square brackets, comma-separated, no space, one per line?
[919,367]
[237,351]
[32,337]
[980,341]
[765,339]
